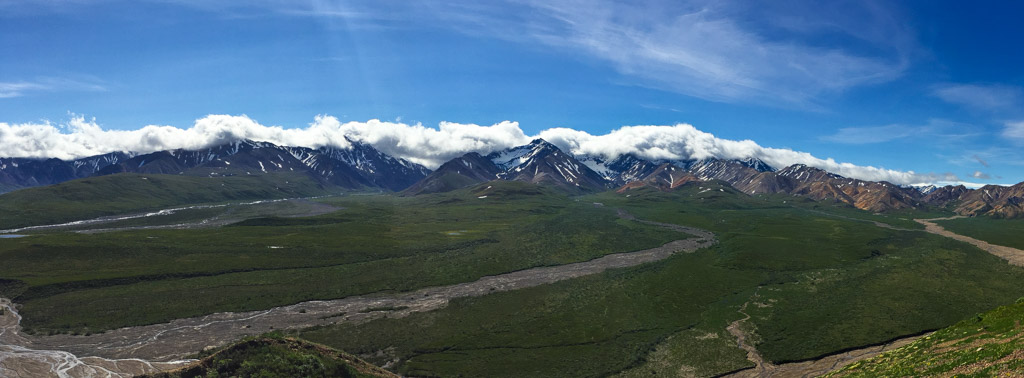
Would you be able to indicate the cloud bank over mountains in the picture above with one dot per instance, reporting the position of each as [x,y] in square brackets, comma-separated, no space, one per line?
[425,145]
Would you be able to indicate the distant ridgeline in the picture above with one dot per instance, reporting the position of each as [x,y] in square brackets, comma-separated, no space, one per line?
[363,167]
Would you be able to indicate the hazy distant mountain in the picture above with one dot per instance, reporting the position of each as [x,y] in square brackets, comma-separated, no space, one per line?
[23,172]
[946,194]
[469,169]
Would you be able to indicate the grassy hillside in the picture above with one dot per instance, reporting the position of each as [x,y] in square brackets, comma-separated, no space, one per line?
[81,282]
[1005,232]
[121,193]
[271,356]
[815,284]
[986,345]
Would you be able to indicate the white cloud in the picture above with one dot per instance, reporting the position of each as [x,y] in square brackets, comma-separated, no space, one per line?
[872,134]
[431,147]
[1014,130]
[425,145]
[708,50]
[981,175]
[983,97]
[47,84]
[725,51]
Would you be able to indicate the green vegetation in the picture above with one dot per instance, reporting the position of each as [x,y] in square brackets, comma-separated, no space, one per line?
[275,356]
[122,193]
[986,345]
[583,327]
[816,284]
[1005,232]
[816,278]
[82,282]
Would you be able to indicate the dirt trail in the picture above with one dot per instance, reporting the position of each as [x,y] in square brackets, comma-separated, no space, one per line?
[804,369]
[761,367]
[181,337]
[821,366]
[305,206]
[1012,255]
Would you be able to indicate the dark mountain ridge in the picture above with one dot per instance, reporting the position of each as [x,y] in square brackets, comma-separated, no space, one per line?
[361,166]
[25,172]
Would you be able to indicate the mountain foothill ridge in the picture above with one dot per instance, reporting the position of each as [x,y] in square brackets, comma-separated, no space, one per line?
[361,166]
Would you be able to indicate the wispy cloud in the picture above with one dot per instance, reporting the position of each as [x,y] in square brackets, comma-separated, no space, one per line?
[980,160]
[1014,131]
[47,84]
[995,156]
[18,89]
[934,130]
[988,97]
[981,175]
[872,134]
[708,50]
[721,51]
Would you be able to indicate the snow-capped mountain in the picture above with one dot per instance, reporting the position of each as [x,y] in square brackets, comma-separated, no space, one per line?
[538,162]
[377,168]
[665,177]
[621,170]
[542,162]
[924,189]
[360,166]
[757,164]
[726,170]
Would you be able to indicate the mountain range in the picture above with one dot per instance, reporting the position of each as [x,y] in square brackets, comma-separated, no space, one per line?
[363,167]
[359,167]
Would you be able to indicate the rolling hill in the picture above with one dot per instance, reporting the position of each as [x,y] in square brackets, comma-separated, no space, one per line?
[990,344]
[270,356]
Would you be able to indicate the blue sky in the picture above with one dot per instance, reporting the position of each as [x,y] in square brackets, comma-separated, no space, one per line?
[928,86]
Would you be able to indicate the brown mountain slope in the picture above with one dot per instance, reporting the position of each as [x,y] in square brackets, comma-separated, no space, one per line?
[875,196]
[993,200]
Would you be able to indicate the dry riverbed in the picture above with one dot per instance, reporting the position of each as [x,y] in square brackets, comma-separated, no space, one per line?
[1012,255]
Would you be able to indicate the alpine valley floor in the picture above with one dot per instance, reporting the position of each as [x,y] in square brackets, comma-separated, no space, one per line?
[508,279]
